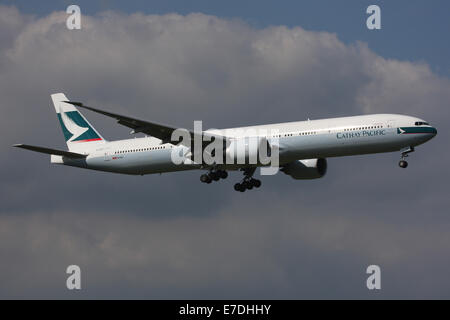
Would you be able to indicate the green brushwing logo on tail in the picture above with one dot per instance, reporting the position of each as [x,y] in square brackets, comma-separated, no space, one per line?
[75,128]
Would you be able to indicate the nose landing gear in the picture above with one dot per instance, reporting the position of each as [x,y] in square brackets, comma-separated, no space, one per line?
[403,163]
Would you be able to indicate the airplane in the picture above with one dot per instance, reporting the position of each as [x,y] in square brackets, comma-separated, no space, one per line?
[303,146]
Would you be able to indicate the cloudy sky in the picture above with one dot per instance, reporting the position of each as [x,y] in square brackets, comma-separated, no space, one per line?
[169,236]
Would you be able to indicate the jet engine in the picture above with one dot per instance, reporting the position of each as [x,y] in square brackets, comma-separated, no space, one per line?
[306,169]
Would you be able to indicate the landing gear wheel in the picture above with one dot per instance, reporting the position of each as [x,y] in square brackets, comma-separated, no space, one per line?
[215,176]
[248,183]
[403,164]
[204,178]
[223,174]
[256,183]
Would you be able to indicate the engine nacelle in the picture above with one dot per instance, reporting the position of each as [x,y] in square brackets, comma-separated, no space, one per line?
[306,169]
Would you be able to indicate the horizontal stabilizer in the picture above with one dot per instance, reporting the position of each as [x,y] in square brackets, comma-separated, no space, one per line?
[68,154]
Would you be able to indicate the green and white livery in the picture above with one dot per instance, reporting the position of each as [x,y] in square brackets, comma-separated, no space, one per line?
[302,147]
[76,129]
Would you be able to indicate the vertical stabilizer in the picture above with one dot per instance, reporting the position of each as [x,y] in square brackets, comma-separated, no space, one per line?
[78,132]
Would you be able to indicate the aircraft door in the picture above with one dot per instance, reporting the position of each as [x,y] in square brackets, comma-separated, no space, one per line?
[107,156]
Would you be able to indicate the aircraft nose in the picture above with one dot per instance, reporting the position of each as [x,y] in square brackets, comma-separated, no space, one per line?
[433,131]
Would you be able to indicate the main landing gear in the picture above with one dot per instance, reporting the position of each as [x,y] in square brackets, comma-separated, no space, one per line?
[403,163]
[248,182]
[213,175]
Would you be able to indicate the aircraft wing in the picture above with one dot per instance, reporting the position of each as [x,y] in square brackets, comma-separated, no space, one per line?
[160,131]
[68,154]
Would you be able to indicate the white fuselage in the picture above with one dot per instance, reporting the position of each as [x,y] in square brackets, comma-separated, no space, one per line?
[310,139]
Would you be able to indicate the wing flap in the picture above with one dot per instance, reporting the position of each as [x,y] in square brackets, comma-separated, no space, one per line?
[68,154]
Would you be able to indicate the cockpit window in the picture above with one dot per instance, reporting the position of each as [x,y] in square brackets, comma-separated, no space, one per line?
[421,123]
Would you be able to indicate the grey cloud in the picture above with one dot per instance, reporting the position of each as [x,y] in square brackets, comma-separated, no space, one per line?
[169,235]
[244,254]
